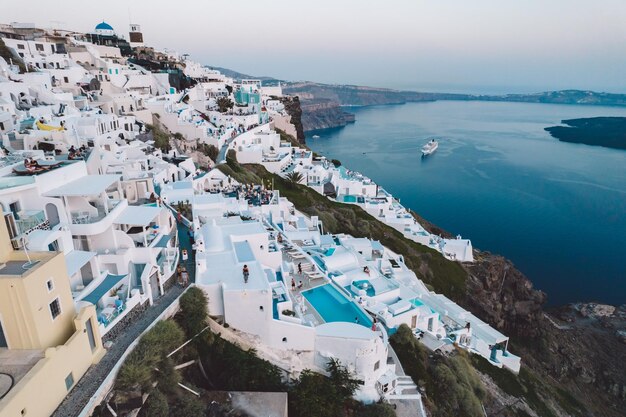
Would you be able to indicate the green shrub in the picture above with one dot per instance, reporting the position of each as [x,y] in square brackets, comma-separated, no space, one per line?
[139,368]
[224,104]
[193,311]
[314,395]
[188,405]
[155,406]
[376,410]
[220,358]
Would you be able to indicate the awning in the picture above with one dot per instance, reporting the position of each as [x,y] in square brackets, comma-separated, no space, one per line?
[105,286]
[138,215]
[84,186]
[76,259]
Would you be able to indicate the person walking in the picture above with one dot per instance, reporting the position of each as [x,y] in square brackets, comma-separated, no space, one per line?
[246,273]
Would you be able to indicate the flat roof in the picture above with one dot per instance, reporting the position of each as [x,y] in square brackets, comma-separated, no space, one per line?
[138,215]
[17,363]
[13,267]
[84,186]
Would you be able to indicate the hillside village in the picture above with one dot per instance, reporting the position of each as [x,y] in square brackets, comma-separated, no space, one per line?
[117,197]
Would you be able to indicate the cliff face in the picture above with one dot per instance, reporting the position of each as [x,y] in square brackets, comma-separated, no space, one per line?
[322,103]
[579,353]
[500,294]
[293,108]
[323,114]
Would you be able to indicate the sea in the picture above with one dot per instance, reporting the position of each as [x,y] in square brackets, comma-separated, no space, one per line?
[557,210]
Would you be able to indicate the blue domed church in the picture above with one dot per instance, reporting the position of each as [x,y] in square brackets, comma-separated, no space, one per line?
[104,29]
[104,34]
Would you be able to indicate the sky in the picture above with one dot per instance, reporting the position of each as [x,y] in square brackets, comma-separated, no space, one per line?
[480,46]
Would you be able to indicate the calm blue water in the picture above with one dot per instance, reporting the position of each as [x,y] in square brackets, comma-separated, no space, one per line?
[557,210]
[333,306]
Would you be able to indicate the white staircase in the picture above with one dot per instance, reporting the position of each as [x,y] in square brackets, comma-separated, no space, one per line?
[405,389]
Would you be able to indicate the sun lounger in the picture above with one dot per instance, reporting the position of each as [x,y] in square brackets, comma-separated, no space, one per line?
[315,275]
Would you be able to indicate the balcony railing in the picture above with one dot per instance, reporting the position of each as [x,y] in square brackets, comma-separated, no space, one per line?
[88,217]
[30,219]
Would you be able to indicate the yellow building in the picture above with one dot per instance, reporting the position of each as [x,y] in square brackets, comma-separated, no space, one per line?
[45,345]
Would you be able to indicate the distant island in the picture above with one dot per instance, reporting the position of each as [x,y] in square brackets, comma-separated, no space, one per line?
[609,132]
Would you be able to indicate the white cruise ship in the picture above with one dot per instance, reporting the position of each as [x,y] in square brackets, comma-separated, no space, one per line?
[430,147]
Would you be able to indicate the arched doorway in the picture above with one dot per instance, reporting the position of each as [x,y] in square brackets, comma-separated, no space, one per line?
[52,214]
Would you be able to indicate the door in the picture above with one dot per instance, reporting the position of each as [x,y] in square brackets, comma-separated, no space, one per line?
[92,339]
[154,286]
[430,324]
[52,214]
[142,186]
[3,339]
[413,322]
[11,225]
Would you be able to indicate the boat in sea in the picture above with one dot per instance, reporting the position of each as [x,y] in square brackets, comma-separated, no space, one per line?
[316,137]
[430,147]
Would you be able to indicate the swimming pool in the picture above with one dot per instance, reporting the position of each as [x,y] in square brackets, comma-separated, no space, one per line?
[334,306]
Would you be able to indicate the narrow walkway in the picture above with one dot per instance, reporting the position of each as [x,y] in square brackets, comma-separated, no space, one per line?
[184,243]
[87,386]
[221,157]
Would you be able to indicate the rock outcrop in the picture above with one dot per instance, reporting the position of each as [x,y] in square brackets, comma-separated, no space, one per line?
[323,114]
[294,109]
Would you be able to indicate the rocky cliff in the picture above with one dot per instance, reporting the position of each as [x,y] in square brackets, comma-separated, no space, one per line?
[577,353]
[323,114]
[294,109]
[324,106]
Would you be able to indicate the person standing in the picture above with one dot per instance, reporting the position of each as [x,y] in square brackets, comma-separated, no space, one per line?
[246,273]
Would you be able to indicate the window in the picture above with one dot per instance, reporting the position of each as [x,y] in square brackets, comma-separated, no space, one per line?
[261,308]
[284,340]
[20,46]
[50,285]
[15,207]
[377,365]
[55,308]
[1,126]
[39,47]
[23,412]
[90,335]
[69,381]
[66,80]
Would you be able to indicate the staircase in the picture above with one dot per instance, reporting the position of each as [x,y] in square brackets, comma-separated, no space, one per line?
[405,389]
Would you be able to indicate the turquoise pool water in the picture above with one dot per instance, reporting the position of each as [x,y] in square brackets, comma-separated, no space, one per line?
[349,199]
[416,302]
[369,290]
[319,262]
[334,306]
